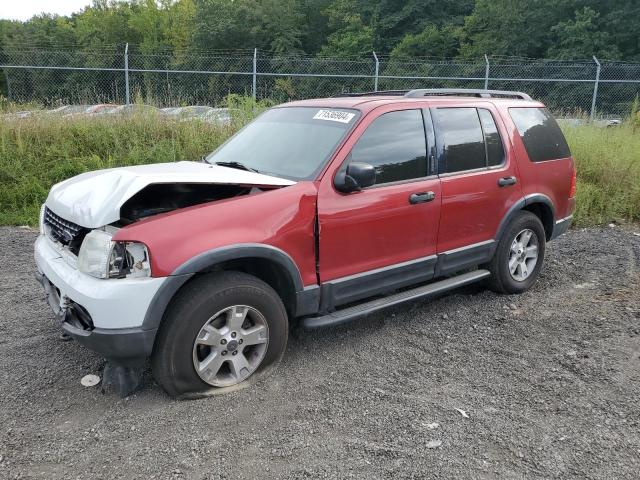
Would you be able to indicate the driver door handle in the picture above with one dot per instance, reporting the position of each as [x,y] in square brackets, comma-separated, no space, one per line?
[421,197]
[505,181]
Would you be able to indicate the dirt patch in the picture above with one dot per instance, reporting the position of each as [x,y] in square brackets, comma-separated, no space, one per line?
[549,381]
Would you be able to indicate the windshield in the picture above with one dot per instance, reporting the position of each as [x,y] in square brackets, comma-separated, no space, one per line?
[290,142]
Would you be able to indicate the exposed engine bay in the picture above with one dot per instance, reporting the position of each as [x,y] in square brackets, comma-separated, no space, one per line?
[165,197]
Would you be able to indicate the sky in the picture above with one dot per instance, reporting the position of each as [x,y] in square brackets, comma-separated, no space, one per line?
[25,9]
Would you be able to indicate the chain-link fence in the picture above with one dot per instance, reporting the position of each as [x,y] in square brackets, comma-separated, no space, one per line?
[123,75]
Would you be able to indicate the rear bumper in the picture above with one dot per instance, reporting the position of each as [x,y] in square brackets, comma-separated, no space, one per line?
[561,226]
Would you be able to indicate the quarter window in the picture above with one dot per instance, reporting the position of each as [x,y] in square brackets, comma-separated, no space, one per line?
[395,145]
[540,133]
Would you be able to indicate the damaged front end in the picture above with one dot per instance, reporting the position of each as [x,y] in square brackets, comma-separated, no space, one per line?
[101,289]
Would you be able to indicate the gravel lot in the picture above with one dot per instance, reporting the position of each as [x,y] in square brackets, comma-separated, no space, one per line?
[549,382]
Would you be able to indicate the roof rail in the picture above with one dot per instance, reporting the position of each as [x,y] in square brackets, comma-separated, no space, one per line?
[395,93]
[466,92]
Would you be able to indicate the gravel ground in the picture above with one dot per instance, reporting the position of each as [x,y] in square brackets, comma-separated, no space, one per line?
[549,383]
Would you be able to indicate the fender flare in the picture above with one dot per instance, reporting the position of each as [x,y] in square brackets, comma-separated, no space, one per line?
[519,205]
[209,259]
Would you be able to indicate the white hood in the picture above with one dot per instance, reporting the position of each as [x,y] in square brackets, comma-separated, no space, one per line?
[93,199]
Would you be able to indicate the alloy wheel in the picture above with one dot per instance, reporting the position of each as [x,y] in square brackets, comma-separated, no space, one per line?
[523,255]
[230,346]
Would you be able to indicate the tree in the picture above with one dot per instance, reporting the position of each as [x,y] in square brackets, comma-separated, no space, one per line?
[512,27]
[350,36]
[582,37]
[431,42]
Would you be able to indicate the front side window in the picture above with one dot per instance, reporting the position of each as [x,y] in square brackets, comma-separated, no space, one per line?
[395,145]
[290,142]
[540,134]
[469,139]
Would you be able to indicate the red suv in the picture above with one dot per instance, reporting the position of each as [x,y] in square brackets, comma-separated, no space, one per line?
[319,211]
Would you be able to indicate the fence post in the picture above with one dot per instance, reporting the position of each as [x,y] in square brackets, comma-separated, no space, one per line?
[375,81]
[6,76]
[595,89]
[126,73]
[255,73]
[486,72]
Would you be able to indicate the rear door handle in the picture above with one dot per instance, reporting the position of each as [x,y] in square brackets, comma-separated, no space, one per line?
[421,197]
[505,181]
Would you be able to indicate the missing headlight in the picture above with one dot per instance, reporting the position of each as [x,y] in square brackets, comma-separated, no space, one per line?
[129,259]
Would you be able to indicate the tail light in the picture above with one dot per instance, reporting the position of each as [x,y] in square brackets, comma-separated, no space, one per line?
[572,188]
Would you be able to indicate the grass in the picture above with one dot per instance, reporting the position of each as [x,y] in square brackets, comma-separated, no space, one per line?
[608,164]
[36,152]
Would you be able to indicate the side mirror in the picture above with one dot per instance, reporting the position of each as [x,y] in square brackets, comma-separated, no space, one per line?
[356,177]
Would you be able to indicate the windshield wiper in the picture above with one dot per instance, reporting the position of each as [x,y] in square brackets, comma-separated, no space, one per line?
[238,165]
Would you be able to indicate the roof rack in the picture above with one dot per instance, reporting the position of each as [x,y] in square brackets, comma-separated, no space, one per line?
[395,93]
[442,92]
[466,92]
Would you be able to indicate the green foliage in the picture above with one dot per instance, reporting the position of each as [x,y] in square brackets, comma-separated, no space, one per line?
[431,42]
[350,36]
[403,28]
[37,152]
[634,117]
[582,37]
[608,165]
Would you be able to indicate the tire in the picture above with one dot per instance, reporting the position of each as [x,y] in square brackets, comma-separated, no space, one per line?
[502,279]
[230,312]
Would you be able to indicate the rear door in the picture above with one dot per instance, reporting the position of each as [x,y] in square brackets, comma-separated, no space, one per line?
[479,181]
[382,237]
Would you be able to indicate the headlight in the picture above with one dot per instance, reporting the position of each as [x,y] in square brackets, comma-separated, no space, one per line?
[101,257]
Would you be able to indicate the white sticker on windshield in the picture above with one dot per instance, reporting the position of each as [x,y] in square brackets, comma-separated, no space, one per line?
[334,116]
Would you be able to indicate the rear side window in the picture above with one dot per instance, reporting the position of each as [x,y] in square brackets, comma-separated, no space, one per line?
[395,145]
[540,133]
[469,139]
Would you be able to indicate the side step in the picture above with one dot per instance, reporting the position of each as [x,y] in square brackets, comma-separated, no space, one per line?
[347,314]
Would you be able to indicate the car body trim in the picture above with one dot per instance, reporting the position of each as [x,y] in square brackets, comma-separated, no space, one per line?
[468,256]
[561,226]
[372,282]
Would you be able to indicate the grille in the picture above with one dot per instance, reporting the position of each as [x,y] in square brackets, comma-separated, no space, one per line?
[63,231]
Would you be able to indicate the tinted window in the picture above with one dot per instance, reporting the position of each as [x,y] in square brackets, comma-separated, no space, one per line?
[540,133]
[292,142]
[495,149]
[395,145]
[462,139]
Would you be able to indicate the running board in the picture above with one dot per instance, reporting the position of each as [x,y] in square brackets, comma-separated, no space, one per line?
[347,314]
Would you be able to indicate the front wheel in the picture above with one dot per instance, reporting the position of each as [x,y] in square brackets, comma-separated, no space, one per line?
[220,331]
[518,258]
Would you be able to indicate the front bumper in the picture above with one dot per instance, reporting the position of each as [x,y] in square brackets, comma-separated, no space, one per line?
[111,310]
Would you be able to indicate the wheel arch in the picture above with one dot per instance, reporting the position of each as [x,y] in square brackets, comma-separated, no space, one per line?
[270,264]
[538,204]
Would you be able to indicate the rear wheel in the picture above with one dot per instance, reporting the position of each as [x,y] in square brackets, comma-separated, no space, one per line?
[221,330]
[516,264]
